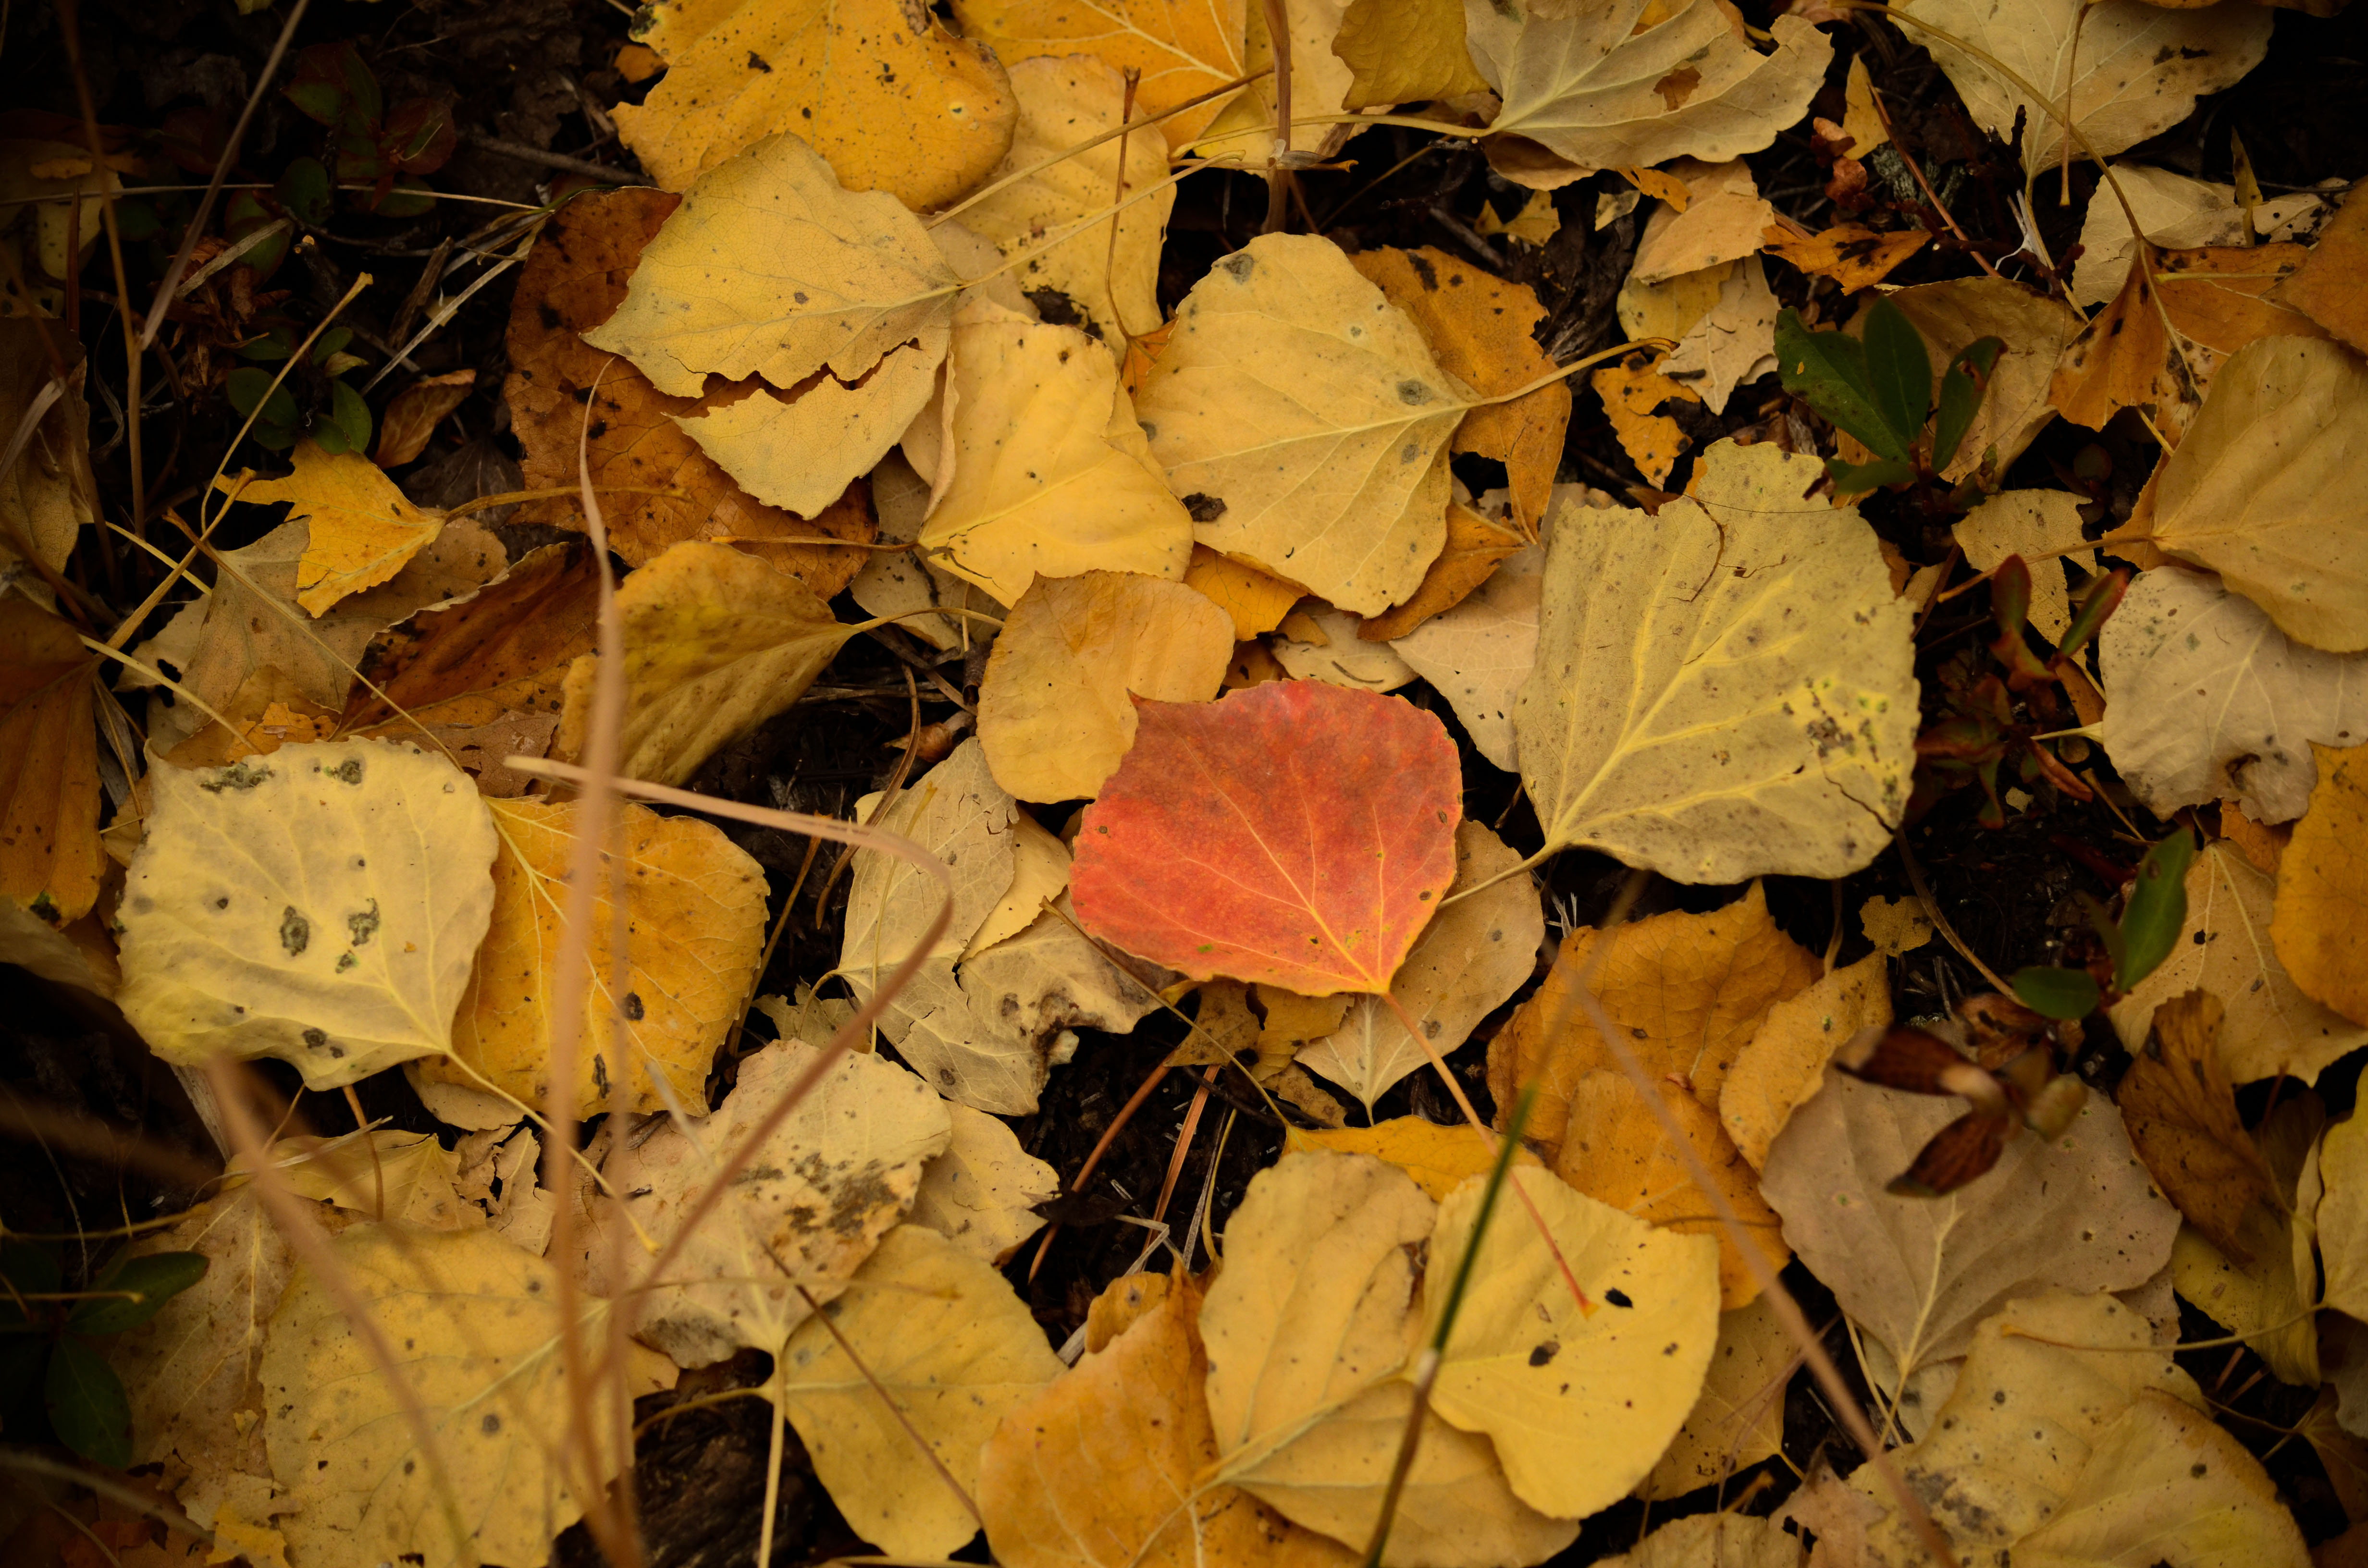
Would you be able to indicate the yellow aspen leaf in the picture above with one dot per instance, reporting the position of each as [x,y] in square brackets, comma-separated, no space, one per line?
[2031,524]
[473,1321]
[905,582]
[1738,1419]
[1256,601]
[1894,925]
[2176,213]
[801,452]
[1534,224]
[1057,708]
[1851,253]
[1717,1541]
[694,904]
[944,1335]
[1861,122]
[980,1194]
[1479,330]
[1293,409]
[50,852]
[1635,392]
[2127,356]
[362,530]
[1783,1064]
[1329,645]
[2320,922]
[1402,51]
[1720,222]
[893,100]
[1794,757]
[389,1175]
[1474,546]
[1051,474]
[1659,183]
[2264,845]
[1181,50]
[1320,80]
[1439,1159]
[339,938]
[716,642]
[2327,285]
[1735,341]
[1670,309]
[1064,101]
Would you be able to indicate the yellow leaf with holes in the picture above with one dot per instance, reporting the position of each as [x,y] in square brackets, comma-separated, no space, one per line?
[1183,48]
[882,90]
[1402,51]
[474,1324]
[716,642]
[2320,923]
[1056,710]
[321,904]
[695,909]
[944,1335]
[363,529]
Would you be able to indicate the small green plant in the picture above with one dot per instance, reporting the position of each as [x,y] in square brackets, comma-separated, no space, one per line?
[312,400]
[1879,390]
[46,1333]
[369,143]
[2128,949]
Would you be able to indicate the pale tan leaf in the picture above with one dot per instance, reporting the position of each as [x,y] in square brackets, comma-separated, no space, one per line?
[981,1193]
[1738,1418]
[1721,223]
[2031,523]
[1337,654]
[1735,341]
[2176,213]
[1479,654]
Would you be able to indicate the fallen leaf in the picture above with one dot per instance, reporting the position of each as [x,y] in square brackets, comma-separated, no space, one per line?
[2137,71]
[1102,1469]
[1438,1158]
[1720,222]
[1852,254]
[940,1333]
[1244,128]
[1672,309]
[1256,601]
[1794,758]
[809,1204]
[656,487]
[2128,356]
[1402,51]
[716,642]
[501,650]
[1239,837]
[902,583]
[801,453]
[1632,84]
[1635,393]
[1894,925]
[51,858]
[1735,341]
[2207,699]
[362,529]
[2264,1284]
[1182,50]
[694,902]
[1051,474]
[2180,1109]
[2341,1454]
[1294,410]
[1479,328]
[1715,1540]
[2226,947]
[2260,489]
[338,937]
[473,1318]
[1057,708]
[1064,101]
[406,1176]
[2264,847]
[2176,213]
[414,412]
[2033,524]
[1950,316]
[981,1192]
[2318,926]
[49,493]
[2342,1214]
[1534,224]
[1316,1309]
[1468,961]
[2074,1212]
[2326,285]
[893,99]
[1736,1421]
[1783,1066]
[1330,646]
[82,955]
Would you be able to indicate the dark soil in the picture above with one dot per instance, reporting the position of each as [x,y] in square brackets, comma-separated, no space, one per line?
[528,83]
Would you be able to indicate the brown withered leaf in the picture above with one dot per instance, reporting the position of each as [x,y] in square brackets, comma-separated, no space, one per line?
[2127,357]
[1478,327]
[1475,546]
[504,648]
[50,854]
[411,417]
[2180,1109]
[573,280]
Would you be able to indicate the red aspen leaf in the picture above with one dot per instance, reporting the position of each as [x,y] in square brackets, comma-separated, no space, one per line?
[1295,833]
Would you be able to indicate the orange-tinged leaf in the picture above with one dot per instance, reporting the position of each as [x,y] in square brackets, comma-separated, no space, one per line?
[50,854]
[1181,50]
[2180,1109]
[2321,926]
[504,648]
[1633,393]
[2223,296]
[2127,358]
[1851,253]
[1438,1158]
[1475,546]
[1257,601]
[1294,833]
[2328,285]
[362,530]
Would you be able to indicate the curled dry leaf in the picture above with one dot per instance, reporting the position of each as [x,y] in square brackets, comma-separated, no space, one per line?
[2262,489]
[716,642]
[50,852]
[339,932]
[2228,947]
[1241,837]
[981,1192]
[1784,1064]
[473,1320]
[2180,1109]
[414,412]
[1402,51]
[501,651]
[2319,925]
[694,904]
[1049,473]
[2137,71]
[1064,101]
[2207,699]
[360,530]
[2074,1212]
[1473,956]
[656,487]
[1330,645]
[1795,758]
[808,1205]
[942,1334]
[1295,409]
[1630,85]
[1182,50]
[893,100]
